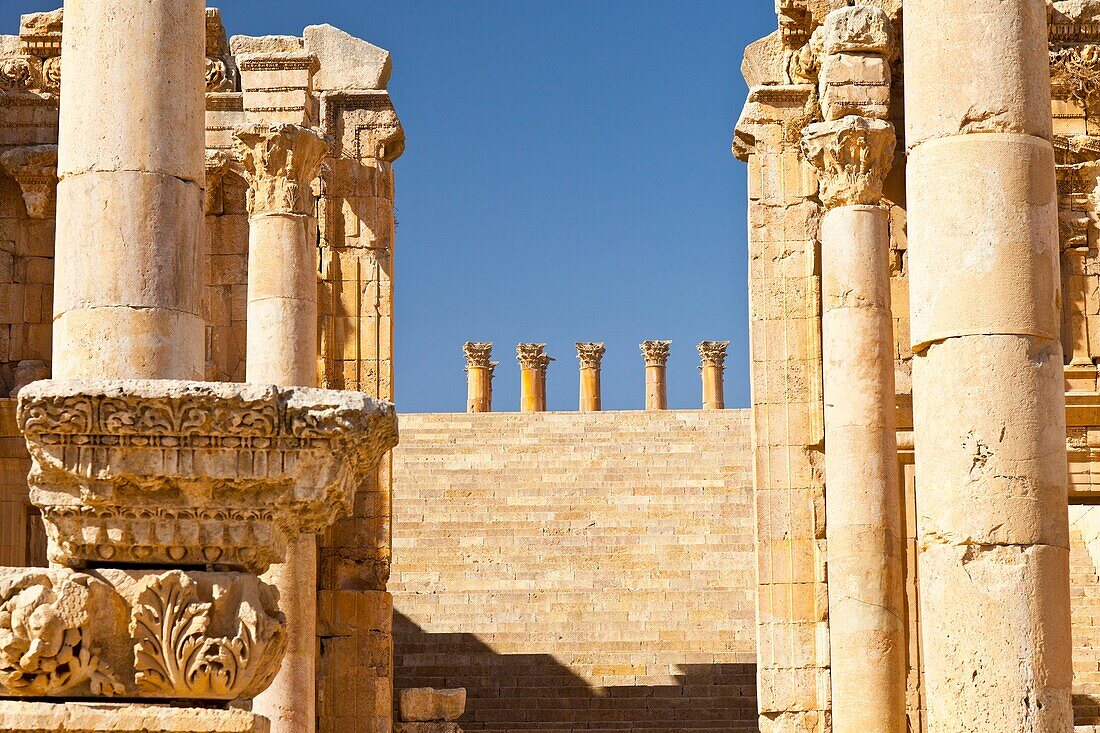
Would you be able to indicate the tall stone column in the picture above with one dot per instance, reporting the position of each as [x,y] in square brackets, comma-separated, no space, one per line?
[479,376]
[988,399]
[863,497]
[280,163]
[713,368]
[656,369]
[533,363]
[591,358]
[128,279]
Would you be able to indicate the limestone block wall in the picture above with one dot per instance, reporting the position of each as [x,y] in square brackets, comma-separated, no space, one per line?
[578,571]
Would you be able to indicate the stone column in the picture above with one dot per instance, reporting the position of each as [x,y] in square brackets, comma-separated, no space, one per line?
[479,376]
[862,498]
[533,362]
[128,281]
[713,368]
[280,163]
[988,399]
[591,357]
[656,367]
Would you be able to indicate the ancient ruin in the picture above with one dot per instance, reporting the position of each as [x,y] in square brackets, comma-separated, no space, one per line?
[199,462]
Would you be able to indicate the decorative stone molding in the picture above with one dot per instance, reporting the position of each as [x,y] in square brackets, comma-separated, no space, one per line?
[280,164]
[590,354]
[158,634]
[176,654]
[47,644]
[713,353]
[1075,71]
[853,156]
[221,72]
[16,74]
[655,353]
[218,164]
[34,168]
[479,354]
[193,473]
[532,356]
[364,124]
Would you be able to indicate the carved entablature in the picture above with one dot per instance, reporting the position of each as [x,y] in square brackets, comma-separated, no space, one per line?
[194,473]
[479,354]
[150,634]
[280,163]
[31,62]
[590,354]
[364,124]
[713,353]
[655,353]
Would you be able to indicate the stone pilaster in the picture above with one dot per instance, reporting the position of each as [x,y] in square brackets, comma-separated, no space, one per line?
[280,163]
[988,395]
[712,354]
[590,355]
[655,354]
[34,168]
[533,363]
[479,375]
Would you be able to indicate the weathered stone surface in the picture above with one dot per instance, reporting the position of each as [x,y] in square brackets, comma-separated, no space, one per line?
[426,704]
[858,29]
[436,727]
[231,468]
[240,45]
[97,717]
[346,61]
[853,155]
[28,371]
[163,634]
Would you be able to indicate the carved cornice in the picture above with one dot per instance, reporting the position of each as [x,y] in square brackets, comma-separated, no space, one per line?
[191,473]
[590,354]
[34,168]
[479,354]
[853,155]
[1075,72]
[713,353]
[531,356]
[655,353]
[280,163]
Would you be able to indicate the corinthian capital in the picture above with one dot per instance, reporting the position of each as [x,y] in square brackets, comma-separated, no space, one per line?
[280,163]
[34,168]
[532,356]
[852,156]
[713,353]
[655,352]
[479,354]
[590,354]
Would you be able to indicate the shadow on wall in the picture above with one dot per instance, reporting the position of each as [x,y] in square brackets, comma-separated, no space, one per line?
[514,692]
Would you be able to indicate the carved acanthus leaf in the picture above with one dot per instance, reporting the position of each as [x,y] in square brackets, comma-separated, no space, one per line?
[1075,70]
[479,354]
[532,356]
[590,354]
[713,353]
[280,163]
[655,353]
[853,156]
[176,653]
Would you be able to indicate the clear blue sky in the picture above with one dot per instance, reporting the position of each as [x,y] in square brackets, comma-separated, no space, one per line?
[567,178]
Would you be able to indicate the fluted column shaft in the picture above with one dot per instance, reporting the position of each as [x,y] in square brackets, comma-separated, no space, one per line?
[128,279]
[280,163]
[988,395]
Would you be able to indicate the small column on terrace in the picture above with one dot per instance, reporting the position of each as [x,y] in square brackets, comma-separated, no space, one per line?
[655,354]
[479,375]
[533,363]
[280,163]
[713,368]
[590,355]
[128,278]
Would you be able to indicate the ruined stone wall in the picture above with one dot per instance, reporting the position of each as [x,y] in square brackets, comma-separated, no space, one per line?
[578,571]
